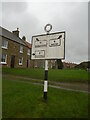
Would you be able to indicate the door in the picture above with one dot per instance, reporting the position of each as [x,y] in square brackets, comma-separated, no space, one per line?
[12,61]
[28,63]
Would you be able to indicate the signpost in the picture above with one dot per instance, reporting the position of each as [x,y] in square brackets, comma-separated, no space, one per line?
[48,46]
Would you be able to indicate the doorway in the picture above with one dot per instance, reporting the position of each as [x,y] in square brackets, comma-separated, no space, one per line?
[12,61]
[28,63]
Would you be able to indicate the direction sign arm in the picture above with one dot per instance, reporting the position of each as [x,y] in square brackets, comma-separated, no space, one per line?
[59,37]
[37,39]
[33,54]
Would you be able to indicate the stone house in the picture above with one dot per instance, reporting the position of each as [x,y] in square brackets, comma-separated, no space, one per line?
[15,53]
[29,46]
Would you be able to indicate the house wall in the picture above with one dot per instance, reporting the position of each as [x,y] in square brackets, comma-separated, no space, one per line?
[14,49]
[0,49]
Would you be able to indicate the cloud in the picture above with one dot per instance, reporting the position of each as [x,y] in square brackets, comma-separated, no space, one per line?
[70,17]
[14,7]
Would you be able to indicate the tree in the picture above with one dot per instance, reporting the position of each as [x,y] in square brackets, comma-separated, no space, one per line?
[59,64]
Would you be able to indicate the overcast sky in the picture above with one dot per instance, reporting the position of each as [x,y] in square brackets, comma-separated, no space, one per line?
[31,17]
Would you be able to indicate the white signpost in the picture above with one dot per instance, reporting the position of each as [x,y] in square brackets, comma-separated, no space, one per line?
[48,46]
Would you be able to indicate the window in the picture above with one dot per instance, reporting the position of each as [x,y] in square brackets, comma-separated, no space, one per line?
[35,64]
[28,52]
[4,44]
[21,61]
[4,59]
[21,49]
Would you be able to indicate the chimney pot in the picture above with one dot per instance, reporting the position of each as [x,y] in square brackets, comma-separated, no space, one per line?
[16,32]
[24,38]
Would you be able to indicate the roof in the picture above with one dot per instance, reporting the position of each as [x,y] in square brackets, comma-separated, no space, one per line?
[28,44]
[7,34]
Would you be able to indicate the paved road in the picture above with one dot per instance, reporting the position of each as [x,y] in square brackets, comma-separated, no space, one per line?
[64,88]
[78,87]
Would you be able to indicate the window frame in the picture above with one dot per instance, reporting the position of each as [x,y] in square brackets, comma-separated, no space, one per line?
[5,46]
[5,59]
[21,50]
[28,51]
[21,63]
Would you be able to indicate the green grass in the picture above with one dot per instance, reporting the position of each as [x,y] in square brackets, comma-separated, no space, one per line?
[25,100]
[65,75]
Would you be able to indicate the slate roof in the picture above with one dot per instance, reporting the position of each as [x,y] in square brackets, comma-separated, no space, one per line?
[28,44]
[7,34]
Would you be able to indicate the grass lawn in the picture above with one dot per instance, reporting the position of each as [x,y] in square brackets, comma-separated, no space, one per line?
[25,100]
[65,75]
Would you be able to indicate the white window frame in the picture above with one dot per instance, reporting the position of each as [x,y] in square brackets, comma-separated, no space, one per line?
[28,51]
[35,64]
[6,44]
[21,49]
[21,63]
[5,59]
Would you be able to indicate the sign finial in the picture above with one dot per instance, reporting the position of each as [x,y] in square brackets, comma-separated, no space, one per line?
[48,28]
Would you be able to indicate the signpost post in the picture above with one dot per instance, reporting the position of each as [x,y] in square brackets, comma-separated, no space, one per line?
[45,80]
[47,47]
[47,28]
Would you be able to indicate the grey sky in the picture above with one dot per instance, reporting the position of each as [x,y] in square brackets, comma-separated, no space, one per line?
[31,18]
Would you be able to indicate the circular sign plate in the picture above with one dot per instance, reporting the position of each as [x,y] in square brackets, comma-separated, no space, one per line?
[48,28]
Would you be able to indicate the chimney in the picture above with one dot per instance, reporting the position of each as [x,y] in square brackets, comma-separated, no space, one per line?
[16,32]
[24,38]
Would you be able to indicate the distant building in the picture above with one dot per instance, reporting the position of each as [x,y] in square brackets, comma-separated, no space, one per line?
[69,65]
[15,52]
[84,65]
[41,64]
